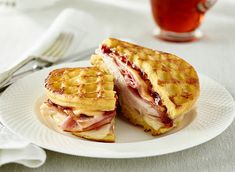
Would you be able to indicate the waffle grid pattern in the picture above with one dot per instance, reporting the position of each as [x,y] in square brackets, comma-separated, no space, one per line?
[84,86]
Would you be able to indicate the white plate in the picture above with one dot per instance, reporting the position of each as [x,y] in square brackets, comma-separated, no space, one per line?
[19,106]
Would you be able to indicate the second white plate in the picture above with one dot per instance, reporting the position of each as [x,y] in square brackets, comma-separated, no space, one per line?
[19,106]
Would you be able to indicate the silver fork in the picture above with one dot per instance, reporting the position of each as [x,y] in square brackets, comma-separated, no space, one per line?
[54,52]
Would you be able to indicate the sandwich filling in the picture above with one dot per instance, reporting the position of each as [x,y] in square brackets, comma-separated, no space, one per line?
[74,120]
[139,86]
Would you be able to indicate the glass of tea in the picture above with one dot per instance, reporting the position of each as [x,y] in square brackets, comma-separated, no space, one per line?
[178,20]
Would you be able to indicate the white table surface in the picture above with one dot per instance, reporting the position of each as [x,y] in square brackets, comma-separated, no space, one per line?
[214,56]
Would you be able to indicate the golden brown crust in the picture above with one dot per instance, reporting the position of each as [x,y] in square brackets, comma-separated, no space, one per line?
[97,61]
[175,80]
[82,88]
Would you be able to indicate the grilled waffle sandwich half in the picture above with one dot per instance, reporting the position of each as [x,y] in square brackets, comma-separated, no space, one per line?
[155,88]
[81,101]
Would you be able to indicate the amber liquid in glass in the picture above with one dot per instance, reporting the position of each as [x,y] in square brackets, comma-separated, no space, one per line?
[177,15]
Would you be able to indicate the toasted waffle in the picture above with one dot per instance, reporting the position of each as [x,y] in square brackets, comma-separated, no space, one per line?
[81,101]
[170,81]
[81,88]
[175,80]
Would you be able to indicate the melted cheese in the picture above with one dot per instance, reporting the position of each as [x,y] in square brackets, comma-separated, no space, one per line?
[51,116]
[77,112]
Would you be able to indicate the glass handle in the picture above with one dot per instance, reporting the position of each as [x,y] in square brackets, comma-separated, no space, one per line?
[205,6]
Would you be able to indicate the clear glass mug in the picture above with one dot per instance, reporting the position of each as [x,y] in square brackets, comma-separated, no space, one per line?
[179,20]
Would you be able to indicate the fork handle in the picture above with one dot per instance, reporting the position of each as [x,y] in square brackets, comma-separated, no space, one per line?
[7,75]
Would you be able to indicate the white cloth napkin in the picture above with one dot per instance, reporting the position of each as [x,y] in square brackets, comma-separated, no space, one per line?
[85,30]
[76,23]
[13,148]
[16,149]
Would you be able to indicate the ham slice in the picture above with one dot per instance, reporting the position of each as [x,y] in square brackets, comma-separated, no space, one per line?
[134,86]
[81,122]
[71,124]
[126,90]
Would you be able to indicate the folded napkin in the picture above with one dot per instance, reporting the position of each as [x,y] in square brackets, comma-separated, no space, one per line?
[18,150]
[85,31]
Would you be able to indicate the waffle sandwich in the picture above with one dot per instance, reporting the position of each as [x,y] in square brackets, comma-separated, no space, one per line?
[81,101]
[155,88]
